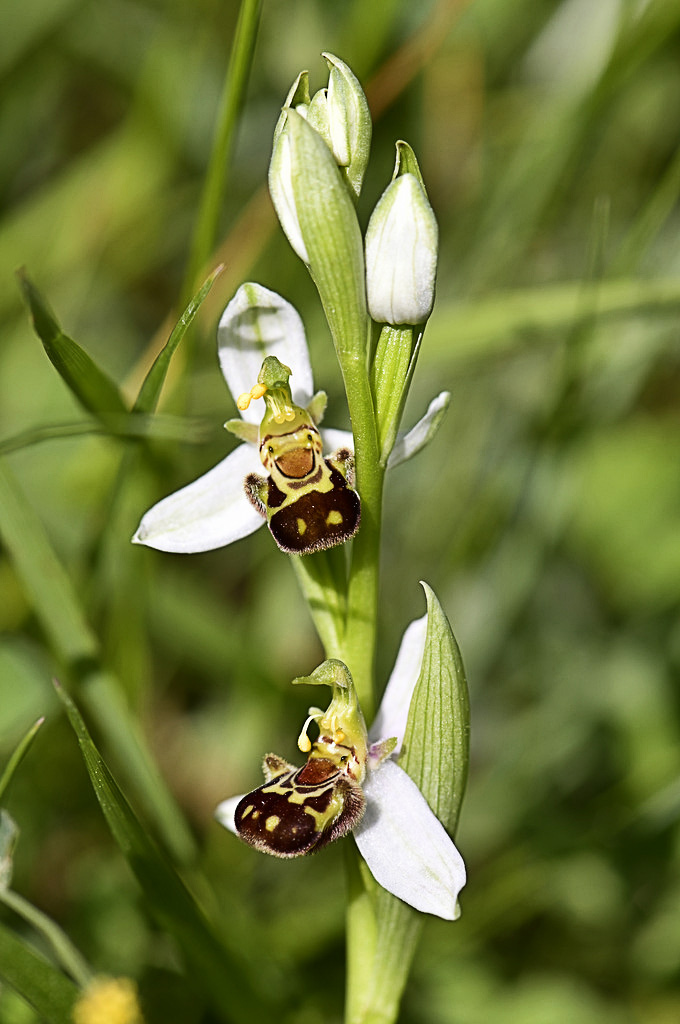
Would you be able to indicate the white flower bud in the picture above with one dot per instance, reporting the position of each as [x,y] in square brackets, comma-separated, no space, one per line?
[349,122]
[401,254]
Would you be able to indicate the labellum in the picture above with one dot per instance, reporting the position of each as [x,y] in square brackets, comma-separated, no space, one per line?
[299,810]
[308,501]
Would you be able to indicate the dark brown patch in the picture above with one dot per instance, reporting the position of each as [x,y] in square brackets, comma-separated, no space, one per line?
[317,513]
[297,832]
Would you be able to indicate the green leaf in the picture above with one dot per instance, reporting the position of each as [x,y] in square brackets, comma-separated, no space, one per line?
[56,606]
[160,428]
[406,163]
[507,321]
[47,990]
[42,575]
[166,893]
[150,391]
[435,751]
[95,391]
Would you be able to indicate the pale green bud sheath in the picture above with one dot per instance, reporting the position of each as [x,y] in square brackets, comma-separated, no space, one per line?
[401,254]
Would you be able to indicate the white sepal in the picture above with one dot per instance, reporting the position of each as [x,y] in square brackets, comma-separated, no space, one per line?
[393,711]
[258,323]
[208,513]
[406,847]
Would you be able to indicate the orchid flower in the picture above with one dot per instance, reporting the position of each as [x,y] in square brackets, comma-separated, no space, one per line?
[214,510]
[352,782]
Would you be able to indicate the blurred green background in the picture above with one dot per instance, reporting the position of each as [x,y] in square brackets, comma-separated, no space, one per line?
[545,515]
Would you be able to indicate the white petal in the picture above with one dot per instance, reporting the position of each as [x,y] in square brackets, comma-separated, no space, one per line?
[258,323]
[407,445]
[393,711]
[406,847]
[334,439]
[225,811]
[209,513]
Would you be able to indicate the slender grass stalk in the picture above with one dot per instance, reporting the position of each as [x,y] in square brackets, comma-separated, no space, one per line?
[231,102]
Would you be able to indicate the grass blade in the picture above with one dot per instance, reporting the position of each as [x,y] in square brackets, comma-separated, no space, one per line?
[95,391]
[36,980]
[150,391]
[168,897]
[18,756]
[56,606]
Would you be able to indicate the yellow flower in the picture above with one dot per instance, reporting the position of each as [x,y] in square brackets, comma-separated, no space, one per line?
[108,1001]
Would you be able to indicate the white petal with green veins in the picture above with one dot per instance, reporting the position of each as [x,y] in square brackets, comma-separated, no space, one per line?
[258,323]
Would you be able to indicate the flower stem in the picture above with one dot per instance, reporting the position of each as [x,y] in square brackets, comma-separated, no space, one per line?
[362,594]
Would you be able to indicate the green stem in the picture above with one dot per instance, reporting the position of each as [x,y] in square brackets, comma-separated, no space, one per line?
[362,593]
[216,178]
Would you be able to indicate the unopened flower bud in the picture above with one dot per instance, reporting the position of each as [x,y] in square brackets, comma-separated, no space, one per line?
[401,254]
[349,122]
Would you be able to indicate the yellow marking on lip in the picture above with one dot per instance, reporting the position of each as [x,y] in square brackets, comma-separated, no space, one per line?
[272,822]
[247,810]
[334,518]
[302,526]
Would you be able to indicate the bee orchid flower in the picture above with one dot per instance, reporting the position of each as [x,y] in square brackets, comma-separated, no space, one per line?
[220,507]
[215,510]
[352,782]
